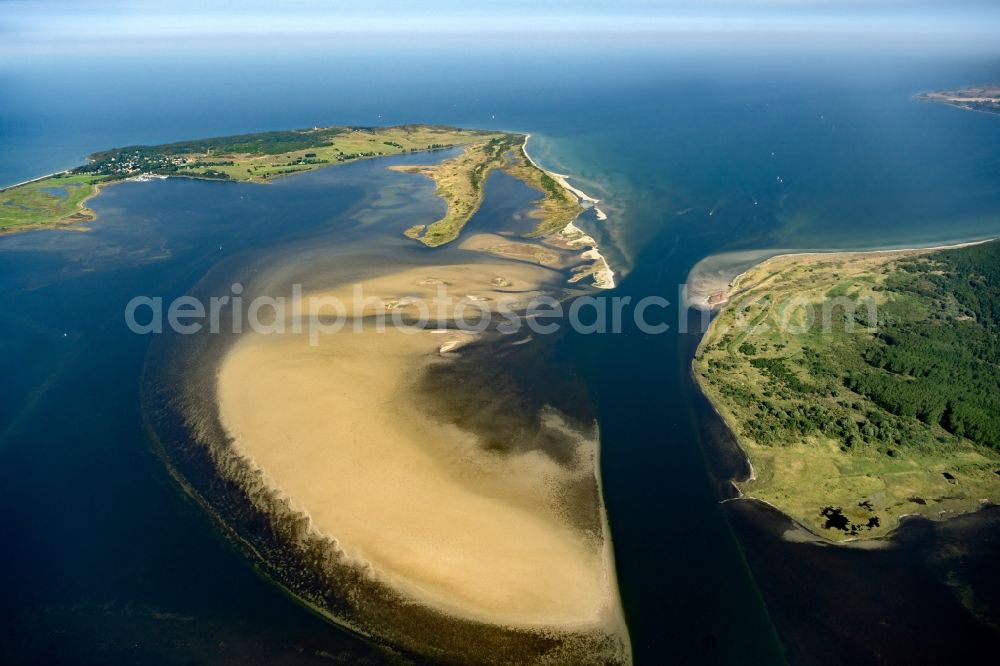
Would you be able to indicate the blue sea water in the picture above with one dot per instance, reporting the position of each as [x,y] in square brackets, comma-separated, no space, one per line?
[692,152]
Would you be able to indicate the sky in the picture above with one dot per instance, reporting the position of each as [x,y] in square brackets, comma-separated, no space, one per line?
[29,25]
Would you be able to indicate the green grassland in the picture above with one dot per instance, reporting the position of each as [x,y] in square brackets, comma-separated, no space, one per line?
[460,182]
[880,394]
[263,156]
[557,207]
[61,199]
[52,201]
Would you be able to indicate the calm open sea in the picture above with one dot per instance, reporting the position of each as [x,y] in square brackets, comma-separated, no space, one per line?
[692,153]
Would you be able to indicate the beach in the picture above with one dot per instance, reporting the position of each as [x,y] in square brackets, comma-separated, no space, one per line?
[604,276]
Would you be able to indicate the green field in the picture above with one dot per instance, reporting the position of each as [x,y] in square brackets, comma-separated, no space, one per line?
[863,386]
[460,182]
[60,200]
[56,200]
[266,155]
[557,207]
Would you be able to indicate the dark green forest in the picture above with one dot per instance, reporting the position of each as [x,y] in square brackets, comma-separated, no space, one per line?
[932,362]
[936,356]
[261,143]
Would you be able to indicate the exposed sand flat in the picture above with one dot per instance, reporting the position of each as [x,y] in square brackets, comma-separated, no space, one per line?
[337,429]
[510,249]
[604,277]
[439,288]
[709,281]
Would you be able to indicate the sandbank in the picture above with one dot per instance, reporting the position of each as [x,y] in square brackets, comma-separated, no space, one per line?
[338,429]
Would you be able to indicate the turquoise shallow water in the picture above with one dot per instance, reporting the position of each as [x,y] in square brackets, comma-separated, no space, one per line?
[691,154]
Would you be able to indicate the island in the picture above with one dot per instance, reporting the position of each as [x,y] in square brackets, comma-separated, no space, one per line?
[974,98]
[862,386]
[60,200]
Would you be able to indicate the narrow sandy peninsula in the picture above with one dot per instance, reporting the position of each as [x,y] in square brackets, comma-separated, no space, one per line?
[338,429]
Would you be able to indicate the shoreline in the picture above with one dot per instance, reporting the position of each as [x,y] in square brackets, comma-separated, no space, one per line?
[717,290]
[604,275]
[617,608]
[35,180]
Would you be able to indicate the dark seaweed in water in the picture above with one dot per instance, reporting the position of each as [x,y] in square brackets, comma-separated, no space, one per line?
[501,391]
[507,398]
